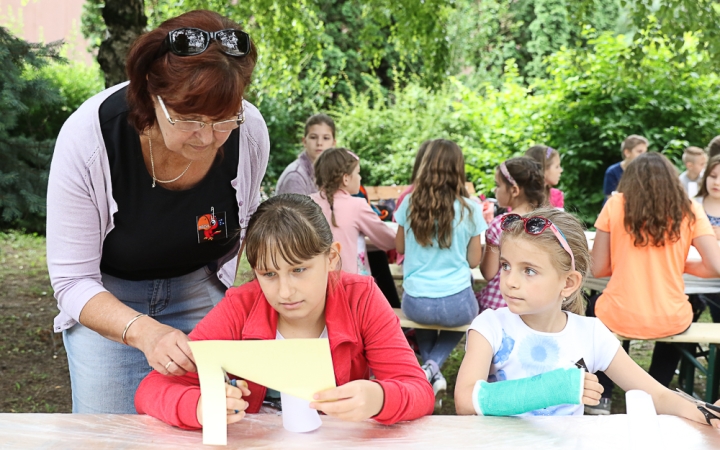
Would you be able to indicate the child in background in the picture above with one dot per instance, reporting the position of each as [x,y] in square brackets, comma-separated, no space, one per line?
[519,186]
[709,198]
[299,176]
[694,159]
[337,174]
[299,292]
[713,148]
[544,257]
[632,147]
[439,233]
[643,237]
[549,159]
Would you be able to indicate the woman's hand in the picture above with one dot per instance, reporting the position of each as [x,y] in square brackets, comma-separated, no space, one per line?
[165,347]
[592,390]
[234,403]
[355,401]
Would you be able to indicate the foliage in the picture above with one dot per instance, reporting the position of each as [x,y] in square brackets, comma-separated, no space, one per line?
[676,18]
[39,90]
[489,125]
[24,158]
[483,34]
[595,100]
[589,103]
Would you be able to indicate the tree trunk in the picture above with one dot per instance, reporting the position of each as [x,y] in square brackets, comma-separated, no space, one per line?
[125,21]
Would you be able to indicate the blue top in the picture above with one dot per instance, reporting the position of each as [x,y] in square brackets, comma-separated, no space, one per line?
[433,272]
[612,178]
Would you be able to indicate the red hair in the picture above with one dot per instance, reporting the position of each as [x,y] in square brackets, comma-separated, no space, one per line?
[210,84]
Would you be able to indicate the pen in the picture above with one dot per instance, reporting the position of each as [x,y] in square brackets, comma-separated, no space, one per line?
[231,383]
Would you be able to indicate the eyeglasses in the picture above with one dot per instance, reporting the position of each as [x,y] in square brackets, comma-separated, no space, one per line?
[535,226]
[193,41]
[225,126]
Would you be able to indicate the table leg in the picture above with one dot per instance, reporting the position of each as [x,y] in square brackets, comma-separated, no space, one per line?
[713,385]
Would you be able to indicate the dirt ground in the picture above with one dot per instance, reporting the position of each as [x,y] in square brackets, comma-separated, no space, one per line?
[33,363]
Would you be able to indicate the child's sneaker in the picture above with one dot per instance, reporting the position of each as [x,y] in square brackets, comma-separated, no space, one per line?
[601,409]
[439,384]
[430,370]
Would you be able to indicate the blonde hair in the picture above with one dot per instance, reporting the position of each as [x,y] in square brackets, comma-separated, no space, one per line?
[574,233]
[691,153]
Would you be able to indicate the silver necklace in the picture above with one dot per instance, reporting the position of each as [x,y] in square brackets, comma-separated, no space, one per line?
[152,166]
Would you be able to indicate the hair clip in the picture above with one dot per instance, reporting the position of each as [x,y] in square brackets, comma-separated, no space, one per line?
[549,152]
[506,174]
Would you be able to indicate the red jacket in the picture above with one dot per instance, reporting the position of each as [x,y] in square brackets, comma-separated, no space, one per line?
[364,334]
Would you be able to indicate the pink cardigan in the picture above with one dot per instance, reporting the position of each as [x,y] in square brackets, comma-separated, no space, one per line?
[354,216]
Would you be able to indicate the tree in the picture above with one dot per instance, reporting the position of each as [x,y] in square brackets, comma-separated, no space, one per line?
[125,21]
[24,158]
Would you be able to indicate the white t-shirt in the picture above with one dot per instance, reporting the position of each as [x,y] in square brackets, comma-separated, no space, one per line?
[521,352]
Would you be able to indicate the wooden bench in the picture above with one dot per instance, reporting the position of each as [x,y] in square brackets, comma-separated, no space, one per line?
[478,281]
[376,193]
[706,333]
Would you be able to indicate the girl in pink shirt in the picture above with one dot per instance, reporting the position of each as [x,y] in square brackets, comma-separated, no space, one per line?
[337,174]
[549,159]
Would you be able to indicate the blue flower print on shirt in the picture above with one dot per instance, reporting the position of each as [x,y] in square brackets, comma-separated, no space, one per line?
[498,376]
[538,354]
[506,347]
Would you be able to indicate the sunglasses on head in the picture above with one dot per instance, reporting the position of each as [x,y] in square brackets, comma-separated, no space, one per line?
[535,226]
[193,41]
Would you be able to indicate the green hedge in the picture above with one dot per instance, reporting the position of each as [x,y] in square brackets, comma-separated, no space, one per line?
[586,106]
[39,91]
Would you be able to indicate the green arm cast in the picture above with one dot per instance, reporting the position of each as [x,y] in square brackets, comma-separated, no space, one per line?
[512,397]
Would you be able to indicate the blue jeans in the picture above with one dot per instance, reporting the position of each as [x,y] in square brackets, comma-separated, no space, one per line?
[104,374]
[451,311]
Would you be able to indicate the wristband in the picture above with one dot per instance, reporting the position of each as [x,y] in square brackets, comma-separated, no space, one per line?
[124,333]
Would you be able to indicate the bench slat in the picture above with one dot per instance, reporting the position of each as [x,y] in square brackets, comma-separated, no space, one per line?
[376,193]
[706,333]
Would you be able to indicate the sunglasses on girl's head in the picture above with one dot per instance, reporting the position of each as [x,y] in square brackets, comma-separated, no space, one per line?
[535,226]
[193,41]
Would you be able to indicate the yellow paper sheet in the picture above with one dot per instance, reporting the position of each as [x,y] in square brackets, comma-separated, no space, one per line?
[299,367]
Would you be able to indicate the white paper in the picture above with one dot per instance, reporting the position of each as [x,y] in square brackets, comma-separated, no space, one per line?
[297,416]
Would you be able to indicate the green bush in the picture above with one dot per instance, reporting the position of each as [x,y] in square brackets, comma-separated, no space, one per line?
[590,101]
[38,91]
[595,99]
[489,125]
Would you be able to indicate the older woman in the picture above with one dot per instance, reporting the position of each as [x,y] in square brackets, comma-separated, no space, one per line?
[149,183]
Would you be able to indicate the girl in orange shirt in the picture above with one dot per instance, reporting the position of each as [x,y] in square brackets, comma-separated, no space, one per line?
[643,237]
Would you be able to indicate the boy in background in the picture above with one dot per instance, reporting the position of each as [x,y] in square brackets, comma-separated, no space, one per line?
[632,147]
[694,159]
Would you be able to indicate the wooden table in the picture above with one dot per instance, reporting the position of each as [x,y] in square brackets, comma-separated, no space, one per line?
[76,431]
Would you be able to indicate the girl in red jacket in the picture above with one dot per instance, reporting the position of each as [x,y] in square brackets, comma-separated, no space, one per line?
[300,292]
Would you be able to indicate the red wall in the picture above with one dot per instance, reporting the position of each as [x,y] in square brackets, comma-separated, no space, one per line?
[47,21]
